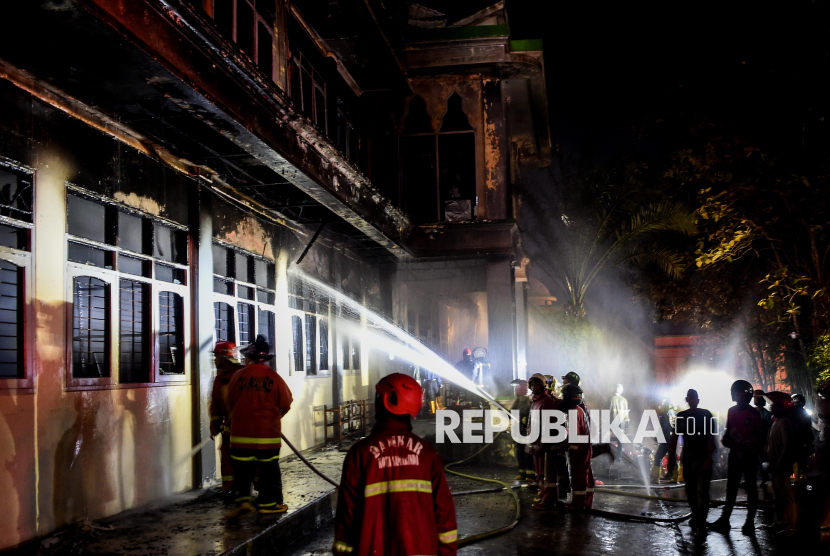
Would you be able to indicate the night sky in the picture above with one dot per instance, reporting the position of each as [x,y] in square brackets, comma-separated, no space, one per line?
[762,68]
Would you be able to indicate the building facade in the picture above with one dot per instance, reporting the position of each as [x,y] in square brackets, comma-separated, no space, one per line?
[170,170]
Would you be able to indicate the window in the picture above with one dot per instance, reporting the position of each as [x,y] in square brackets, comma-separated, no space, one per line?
[266,327]
[127,272]
[438,173]
[324,344]
[350,355]
[90,328]
[171,333]
[244,296]
[16,314]
[223,316]
[308,89]
[345,354]
[348,140]
[356,356]
[311,344]
[11,320]
[250,24]
[245,314]
[297,329]
[134,332]
[309,317]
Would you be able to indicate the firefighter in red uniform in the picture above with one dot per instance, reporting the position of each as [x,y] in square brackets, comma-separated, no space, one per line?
[544,455]
[579,453]
[394,498]
[258,398]
[226,365]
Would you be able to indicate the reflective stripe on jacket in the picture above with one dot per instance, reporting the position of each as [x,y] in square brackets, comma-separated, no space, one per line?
[258,398]
[394,498]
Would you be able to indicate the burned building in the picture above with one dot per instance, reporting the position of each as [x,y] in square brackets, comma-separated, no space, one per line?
[165,168]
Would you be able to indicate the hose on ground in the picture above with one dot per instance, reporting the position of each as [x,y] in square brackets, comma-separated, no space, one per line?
[713,503]
[308,463]
[464,541]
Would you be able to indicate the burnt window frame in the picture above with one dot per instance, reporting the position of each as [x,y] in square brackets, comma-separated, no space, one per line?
[234,295]
[297,64]
[437,148]
[21,256]
[112,275]
[258,20]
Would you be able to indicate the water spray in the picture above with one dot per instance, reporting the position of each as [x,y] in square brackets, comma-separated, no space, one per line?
[409,347]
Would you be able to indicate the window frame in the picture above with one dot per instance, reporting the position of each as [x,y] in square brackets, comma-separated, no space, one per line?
[25,384]
[437,136]
[234,300]
[346,341]
[208,6]
[24,260]
[113,278]
[318,316]
[297,64]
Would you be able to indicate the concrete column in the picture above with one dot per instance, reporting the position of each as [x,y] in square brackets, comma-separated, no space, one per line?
[496,152]
[500,322]
[521,329]
[202,372]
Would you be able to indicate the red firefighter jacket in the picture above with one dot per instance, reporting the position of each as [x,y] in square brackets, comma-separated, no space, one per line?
[218,407]
[394,499]
[541,402]
[258,398]
[583,429]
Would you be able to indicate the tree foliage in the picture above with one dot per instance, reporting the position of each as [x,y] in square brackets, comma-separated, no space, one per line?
[597,216]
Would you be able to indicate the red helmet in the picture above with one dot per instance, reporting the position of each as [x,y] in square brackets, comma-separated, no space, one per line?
[408,395]
[224,347]
[780,401]
[468,351]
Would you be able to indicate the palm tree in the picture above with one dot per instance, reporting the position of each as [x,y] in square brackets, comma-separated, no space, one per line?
[596,217]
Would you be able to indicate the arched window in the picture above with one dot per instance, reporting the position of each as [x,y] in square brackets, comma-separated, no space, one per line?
[438,173]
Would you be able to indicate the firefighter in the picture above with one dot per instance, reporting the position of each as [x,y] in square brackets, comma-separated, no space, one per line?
[744,438]
[394,497]
[664,415]
[619,405]
[818,474]
[695,424]
[258,399]
[579,453]
[806,439]
[226,365]
[466,366]
[522,403]
[544,456]
[783,452]
[766,419]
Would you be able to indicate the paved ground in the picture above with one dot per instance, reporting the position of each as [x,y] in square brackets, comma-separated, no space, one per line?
[565,533]
[192,523]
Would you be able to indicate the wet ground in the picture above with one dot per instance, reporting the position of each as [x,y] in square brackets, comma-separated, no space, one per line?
[561,532]
[196,523]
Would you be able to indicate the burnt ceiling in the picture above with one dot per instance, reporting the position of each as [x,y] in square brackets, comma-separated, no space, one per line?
[75,51]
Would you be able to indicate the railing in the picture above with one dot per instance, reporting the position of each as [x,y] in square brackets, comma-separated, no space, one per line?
[348,419]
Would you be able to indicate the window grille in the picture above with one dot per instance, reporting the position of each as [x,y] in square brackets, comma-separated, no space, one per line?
[171,333]
[11,320]
[90,328]
[224,326]
[311,344]
[297,328]
[134,332]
